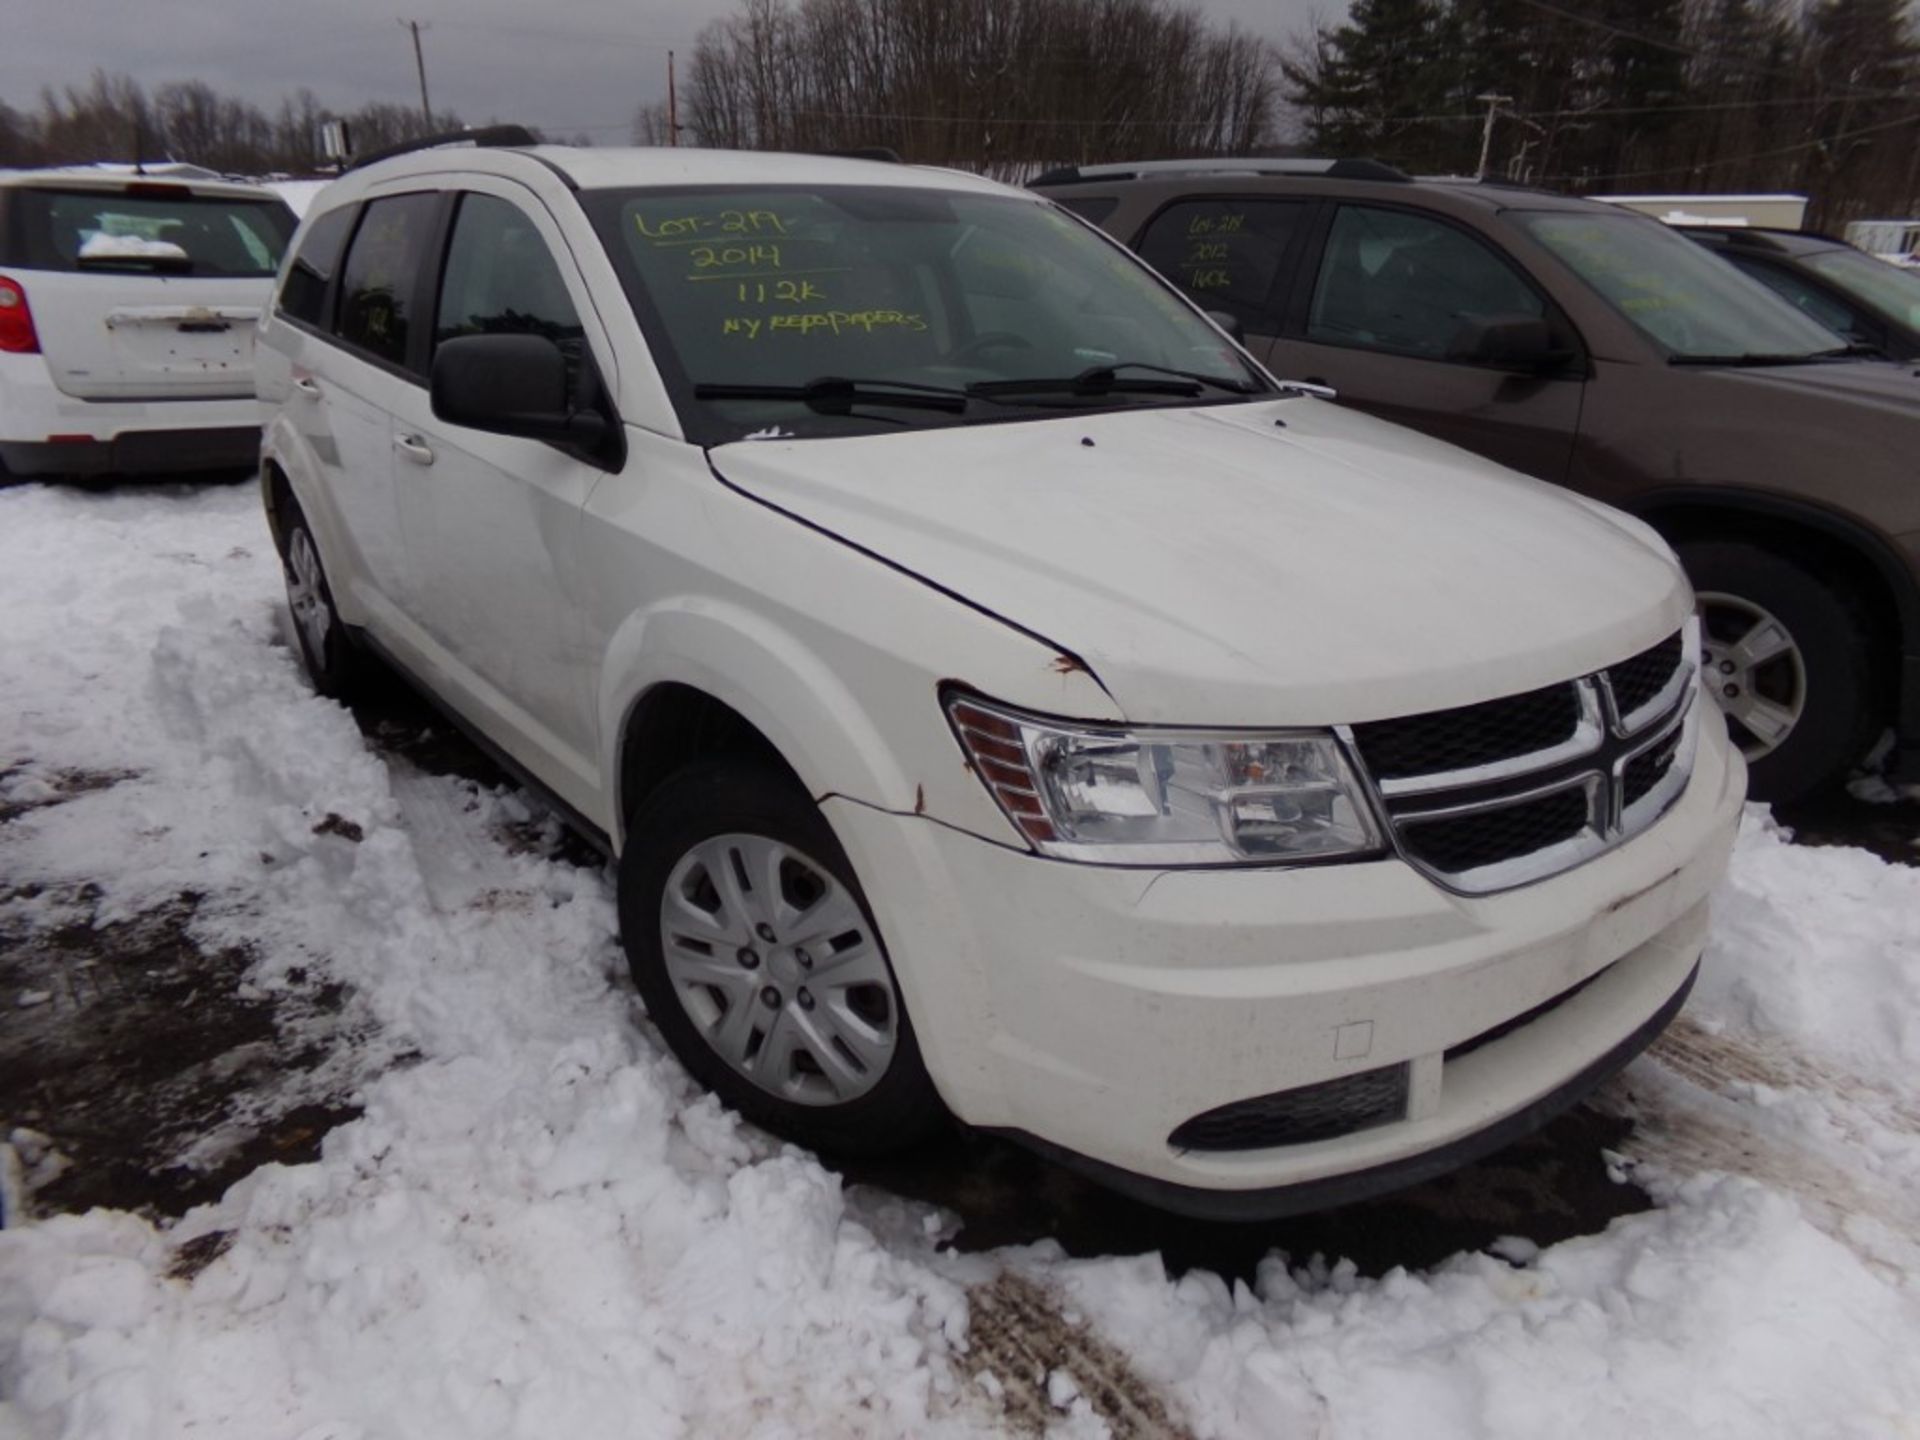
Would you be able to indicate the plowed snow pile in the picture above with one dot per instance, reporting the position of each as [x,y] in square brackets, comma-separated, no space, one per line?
[539,1228]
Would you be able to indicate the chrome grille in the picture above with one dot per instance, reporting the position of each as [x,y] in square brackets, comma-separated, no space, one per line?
[1470,735]
[1488,796]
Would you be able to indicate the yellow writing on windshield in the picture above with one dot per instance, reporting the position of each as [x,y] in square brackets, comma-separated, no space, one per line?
[709,257]
[685,228]
[822,322]
[792,292]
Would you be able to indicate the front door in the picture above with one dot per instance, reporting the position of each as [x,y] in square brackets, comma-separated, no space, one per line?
[1380,314]
[492,522]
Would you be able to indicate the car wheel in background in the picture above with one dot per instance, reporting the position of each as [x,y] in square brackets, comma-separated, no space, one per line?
[1786,658]
[332,660]
[756,955]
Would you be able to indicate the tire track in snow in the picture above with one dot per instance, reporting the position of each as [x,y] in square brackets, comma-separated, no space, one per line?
[1703,1101]
[1019,1335]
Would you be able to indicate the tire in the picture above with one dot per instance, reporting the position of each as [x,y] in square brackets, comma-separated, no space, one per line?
[1821,685]
[333,661]
[835,1065]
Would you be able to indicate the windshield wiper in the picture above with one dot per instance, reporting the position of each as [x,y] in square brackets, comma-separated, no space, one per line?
[1759,358]
[836,395]
[1100,380]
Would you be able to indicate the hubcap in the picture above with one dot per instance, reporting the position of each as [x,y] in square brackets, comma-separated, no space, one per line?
[305,596]
[1754,668]
[778,969]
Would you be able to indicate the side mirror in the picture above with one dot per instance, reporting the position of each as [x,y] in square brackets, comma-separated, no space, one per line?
[1510,342]
[1229,323]
[510,385]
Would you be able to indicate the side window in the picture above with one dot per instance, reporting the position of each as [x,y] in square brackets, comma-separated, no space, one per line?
[1391,280]
[1814,304]
[313,265]
[377,303]
[1225,254]
[502,280]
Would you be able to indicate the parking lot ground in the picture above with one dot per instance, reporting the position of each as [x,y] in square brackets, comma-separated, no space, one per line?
[233,916]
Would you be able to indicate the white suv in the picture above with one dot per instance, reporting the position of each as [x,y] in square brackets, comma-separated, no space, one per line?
[1002,696]
[128,305]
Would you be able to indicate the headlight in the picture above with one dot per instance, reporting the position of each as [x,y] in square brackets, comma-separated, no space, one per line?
[1167,797]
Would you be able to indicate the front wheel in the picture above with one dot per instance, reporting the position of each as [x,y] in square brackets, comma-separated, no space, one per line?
[752,946]
[1786,658]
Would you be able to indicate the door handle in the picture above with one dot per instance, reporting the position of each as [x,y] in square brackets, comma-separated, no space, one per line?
[306,387]
[414,448]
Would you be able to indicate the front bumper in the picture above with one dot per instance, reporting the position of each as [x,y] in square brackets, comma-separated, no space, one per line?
[1095,1010]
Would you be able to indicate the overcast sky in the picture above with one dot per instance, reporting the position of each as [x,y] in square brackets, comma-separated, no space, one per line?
[564,65]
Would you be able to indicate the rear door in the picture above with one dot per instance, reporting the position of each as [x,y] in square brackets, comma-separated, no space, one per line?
[492,522]
[375,358]
[1380,307]
[1231,255]
[148,290]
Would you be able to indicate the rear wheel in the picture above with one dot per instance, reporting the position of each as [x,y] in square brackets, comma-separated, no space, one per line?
[1786,657]
[328,651]
[752,945]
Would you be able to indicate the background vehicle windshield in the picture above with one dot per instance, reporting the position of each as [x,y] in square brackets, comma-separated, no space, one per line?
[1691,302]
[176,234]
[1893,292]
[914,287]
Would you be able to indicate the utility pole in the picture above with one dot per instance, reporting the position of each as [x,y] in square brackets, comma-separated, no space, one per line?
[673,105]
[1493,103]
[420,64]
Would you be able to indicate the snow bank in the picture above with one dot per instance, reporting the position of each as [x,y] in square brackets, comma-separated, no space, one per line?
[539,1228]
[1724,1315]
[1821,947]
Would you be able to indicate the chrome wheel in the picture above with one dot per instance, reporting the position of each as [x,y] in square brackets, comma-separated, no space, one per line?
[1754,668]
[778,969]
[307,596]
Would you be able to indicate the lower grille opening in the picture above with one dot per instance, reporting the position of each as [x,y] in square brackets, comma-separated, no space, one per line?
[1466,842]
[1323,1111]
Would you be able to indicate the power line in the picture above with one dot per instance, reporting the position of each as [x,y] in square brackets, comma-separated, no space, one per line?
[1737,159]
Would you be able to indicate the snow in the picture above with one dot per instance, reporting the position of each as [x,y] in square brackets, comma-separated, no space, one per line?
[540,1227]
[99,245]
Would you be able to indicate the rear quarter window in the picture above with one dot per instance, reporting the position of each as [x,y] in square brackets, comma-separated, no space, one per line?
[154,229]
[303,295]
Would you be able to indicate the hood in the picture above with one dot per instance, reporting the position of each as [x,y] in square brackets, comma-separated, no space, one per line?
[1888,386]
[1287,562]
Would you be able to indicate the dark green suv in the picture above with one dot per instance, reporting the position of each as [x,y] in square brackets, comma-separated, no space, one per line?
[1600,350]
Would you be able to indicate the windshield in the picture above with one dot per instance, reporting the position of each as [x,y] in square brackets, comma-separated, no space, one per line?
[1884,288]
[1689,301]
[940,307]
[164,229]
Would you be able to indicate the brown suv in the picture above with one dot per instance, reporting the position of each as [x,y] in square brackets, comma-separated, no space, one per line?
[1598,349]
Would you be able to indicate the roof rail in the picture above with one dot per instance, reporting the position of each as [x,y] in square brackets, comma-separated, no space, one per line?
[883,153]
[1221,165]
[491,135]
